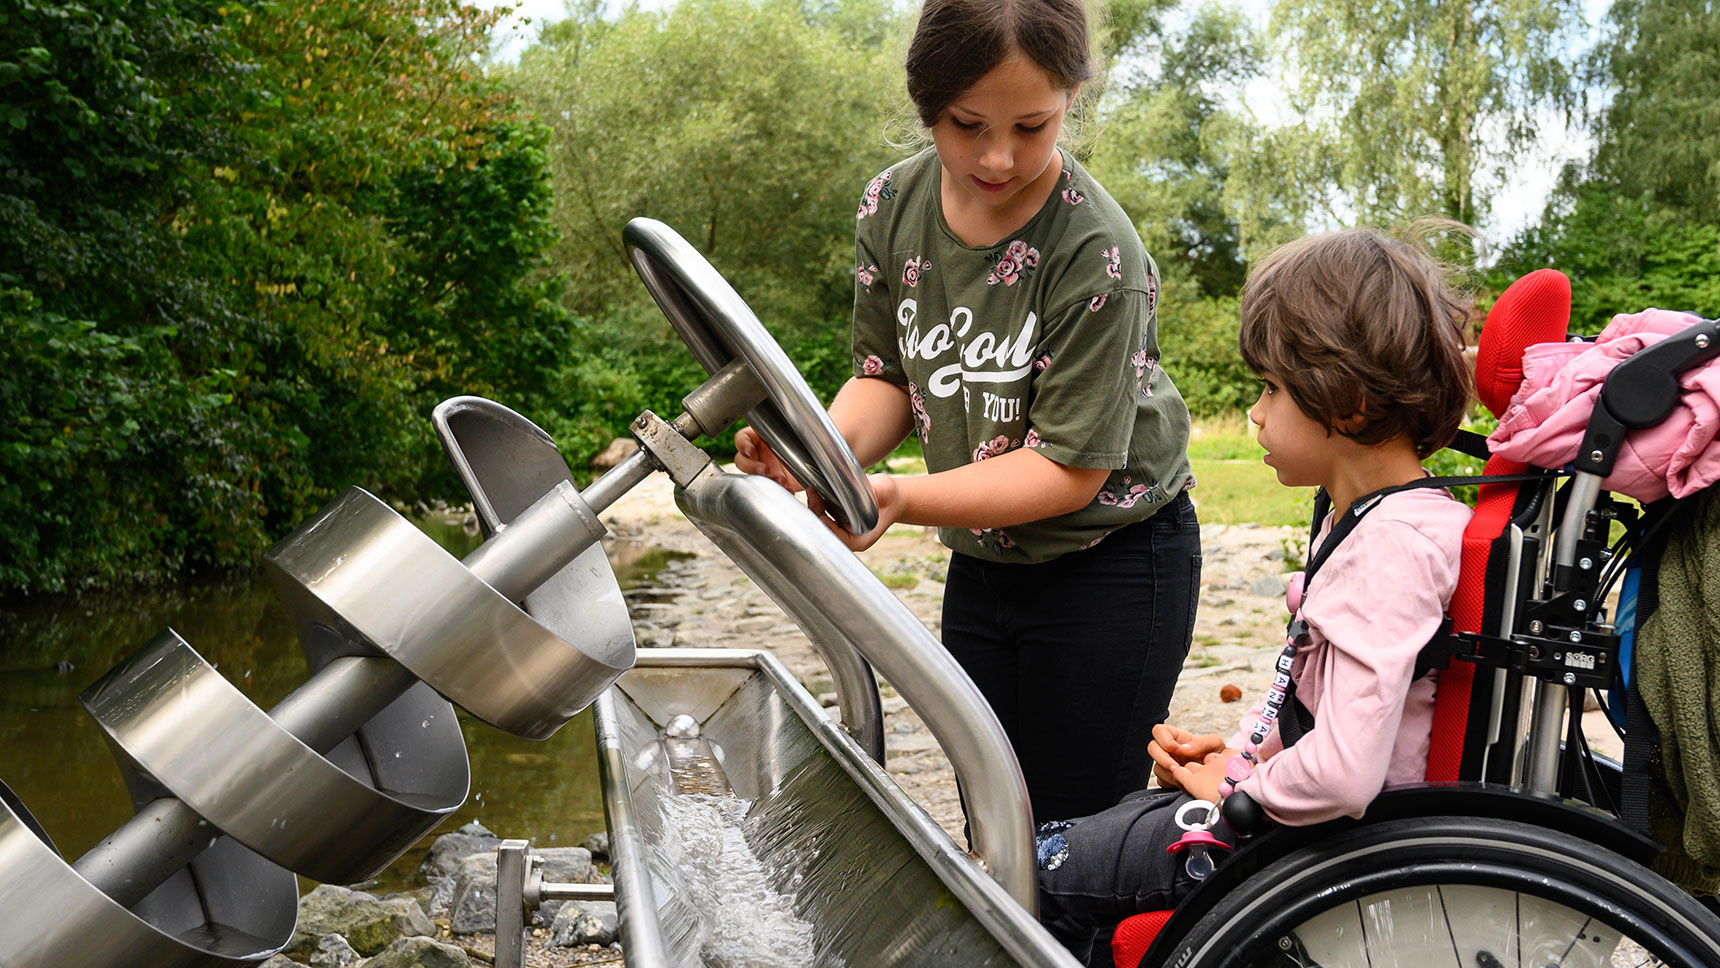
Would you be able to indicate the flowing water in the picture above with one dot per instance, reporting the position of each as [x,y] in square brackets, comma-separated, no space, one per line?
[55,760]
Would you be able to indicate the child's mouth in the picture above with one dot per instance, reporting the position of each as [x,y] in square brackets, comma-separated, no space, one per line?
[989,186]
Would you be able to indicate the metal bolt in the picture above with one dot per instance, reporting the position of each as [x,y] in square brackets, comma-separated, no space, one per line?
[1576,635]
[1580,605]
[1586,563]
[1536,627]
[1701,341]
[1285,944]
[1595,455]
[1557,656]
[1570,678]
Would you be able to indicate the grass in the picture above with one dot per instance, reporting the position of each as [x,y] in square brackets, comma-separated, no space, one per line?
[1234,486]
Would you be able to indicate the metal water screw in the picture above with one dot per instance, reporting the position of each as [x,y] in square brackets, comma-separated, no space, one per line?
[1576,635]
[1570,679]
[1586,563]
[1536,627]
[1580,605]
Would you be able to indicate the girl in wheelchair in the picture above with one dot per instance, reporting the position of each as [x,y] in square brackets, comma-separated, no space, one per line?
[1358,340]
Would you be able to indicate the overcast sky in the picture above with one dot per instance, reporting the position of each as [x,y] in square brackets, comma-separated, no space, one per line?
[1516,205]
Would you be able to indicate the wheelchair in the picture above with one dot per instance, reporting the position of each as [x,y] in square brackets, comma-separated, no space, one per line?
[1515,851]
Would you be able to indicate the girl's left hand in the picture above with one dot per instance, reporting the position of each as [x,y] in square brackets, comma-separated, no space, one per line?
[889,498]
[1200,780]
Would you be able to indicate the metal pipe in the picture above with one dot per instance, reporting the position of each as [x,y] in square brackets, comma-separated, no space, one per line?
[635,901]
[345,694]
[1545,731]
[826,588]
[1585,491]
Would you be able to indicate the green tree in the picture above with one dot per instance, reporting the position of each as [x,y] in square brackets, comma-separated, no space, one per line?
[1408,104]
[1167,140]
[749,126]
[243,248]
[1638,224]
[1659,131]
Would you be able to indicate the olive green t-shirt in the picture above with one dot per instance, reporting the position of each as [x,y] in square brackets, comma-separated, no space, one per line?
[1047,340]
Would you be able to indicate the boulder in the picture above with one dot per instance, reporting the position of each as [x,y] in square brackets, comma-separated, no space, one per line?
[584,922]
[420,953]
[450,849]
[598,845]
[367,922]
[472,908]
[332,951]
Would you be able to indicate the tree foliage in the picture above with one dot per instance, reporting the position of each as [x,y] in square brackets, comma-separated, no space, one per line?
[749,126]
[1410,107]
[245,249]
[1660,129]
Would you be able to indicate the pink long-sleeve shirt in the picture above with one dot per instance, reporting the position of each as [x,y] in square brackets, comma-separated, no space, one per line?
[1372,607]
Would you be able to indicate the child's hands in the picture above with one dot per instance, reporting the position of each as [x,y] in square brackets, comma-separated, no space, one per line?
[1173,747]
[1201,780]
[754,456]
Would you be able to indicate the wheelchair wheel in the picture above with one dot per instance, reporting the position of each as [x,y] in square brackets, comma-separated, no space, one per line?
[1452,892]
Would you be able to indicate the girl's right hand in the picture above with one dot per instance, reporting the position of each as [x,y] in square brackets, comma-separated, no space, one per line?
[1174,747]
[754,456]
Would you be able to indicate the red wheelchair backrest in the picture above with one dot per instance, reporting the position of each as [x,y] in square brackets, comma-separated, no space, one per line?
[1534,309]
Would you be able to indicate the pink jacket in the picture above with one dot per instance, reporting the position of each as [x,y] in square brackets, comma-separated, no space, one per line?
[1377,600]
[1561,384]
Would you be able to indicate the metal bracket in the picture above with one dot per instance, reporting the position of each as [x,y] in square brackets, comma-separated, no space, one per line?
[669,447]
[520,887]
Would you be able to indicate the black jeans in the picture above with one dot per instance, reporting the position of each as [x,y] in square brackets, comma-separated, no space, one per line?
[1078,655]
[1098,870]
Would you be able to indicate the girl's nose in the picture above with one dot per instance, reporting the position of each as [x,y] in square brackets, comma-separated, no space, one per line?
[1254,414]
[994,152]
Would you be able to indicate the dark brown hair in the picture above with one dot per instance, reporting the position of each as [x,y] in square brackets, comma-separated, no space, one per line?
[1364,332]
[958,42]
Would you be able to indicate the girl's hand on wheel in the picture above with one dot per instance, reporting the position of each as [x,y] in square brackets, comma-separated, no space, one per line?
[754,456]
[889,498]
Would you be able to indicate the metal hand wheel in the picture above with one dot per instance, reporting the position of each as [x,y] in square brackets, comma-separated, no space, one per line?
[719,327]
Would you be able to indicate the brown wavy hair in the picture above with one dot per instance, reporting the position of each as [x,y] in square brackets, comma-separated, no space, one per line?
[957,42]
[1365,332]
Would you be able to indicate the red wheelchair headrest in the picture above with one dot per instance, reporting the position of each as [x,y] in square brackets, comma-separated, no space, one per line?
[1534,309]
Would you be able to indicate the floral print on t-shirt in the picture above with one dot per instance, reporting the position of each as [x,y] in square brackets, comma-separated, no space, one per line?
[1012,263]
[877,190]
[1125,493]
[913,269]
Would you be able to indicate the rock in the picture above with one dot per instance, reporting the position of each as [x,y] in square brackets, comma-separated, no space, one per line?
[279,961]
[367,922]
[332,951]
[566,864]
[584,922]
[473,905]
[450,849]
[1268,585]
[618,450]
[441,896]
[598,845]
[420,953]
[1229,692]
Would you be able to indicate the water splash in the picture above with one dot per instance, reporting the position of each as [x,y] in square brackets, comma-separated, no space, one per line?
[742,922]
